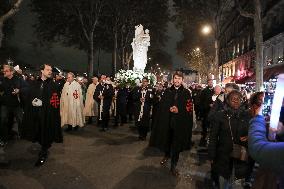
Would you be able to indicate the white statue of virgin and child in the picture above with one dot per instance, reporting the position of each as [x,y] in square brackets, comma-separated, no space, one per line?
[140,45]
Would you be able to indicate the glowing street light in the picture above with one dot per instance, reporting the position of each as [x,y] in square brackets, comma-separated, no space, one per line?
[206,29]
[197,49]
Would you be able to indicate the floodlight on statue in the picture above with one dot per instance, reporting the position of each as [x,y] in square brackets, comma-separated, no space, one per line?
[277,102]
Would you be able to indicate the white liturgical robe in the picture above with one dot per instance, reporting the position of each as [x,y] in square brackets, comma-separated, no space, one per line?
[91,106]
[71,105]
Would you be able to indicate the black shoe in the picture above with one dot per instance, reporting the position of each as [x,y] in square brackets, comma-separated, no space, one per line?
[76,128]
[41,159]
[142,138]
[90,121]
[68,129]
[202,142]
[102,130]
[3,144]
[4,163]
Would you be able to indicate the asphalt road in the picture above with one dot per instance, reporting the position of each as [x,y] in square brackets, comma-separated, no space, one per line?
[89,159]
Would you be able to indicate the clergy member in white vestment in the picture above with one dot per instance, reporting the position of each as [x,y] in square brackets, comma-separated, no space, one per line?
[71,104]
[91,106]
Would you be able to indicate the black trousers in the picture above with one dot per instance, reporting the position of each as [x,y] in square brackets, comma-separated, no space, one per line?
[171,152]
[7,119]
[205,126]
[143,126]
[105,119]
[122,118]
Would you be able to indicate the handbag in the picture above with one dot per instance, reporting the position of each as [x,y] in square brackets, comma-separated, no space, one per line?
[239,152]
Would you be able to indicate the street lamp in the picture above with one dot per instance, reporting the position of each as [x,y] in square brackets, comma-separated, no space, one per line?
[197,49]
[206,29]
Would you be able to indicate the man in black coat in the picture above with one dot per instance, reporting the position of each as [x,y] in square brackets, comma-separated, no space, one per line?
[120,105]
[158,93]
[205,105]
[142,98]
[172,129]
[129,105]
[42,117]
[13,89]
[103,95]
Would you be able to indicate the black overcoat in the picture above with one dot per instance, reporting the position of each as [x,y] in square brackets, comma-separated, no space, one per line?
[137,94]
[107,92]
[221,144]
[42,124]
[121,101]
[180,123]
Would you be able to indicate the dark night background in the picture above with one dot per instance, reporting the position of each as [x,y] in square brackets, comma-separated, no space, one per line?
[30,52]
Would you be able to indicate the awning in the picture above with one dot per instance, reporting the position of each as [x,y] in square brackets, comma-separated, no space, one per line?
[246,79]
[228,80]
[271,72]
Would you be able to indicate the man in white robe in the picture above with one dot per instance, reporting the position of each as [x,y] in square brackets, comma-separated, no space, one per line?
[91,106]
[71,104]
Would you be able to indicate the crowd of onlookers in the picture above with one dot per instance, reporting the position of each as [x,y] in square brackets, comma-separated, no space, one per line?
[233,130]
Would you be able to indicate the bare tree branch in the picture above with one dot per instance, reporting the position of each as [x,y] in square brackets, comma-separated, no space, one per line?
[82,23]
[12,11]
[242,11]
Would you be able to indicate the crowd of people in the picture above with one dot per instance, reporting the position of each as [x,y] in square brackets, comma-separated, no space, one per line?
[234,132]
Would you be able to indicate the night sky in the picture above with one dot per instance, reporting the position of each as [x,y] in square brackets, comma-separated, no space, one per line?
[69,58]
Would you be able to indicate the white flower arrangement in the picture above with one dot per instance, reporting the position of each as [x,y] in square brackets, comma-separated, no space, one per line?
[130,77]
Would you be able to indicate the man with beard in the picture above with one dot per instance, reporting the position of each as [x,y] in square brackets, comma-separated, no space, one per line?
[172,129]
[103,95]
[142,98]
[42,118]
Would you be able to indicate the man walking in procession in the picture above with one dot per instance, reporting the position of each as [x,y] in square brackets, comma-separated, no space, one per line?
[142,98]
[91,106]
[172,128]
[71,104]
[103,95]
[42,118]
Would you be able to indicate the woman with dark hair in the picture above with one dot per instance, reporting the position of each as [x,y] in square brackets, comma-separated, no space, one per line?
[228,141]
[270,155]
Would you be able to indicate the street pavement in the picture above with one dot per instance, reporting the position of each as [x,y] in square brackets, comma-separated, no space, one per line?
[89,159]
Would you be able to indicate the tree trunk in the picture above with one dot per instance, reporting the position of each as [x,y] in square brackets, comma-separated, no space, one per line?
[99,53]
[115,53]
[259,46]
[216,66]
[6,16]
[91,57]
[123,58]
[128,59]
[1,33]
